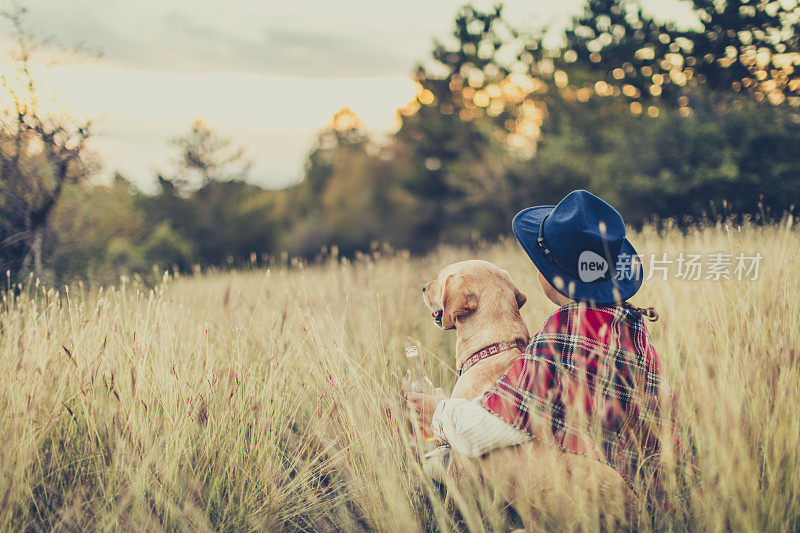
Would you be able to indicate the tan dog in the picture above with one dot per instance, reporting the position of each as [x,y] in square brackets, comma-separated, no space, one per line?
[479,301]
[482,303]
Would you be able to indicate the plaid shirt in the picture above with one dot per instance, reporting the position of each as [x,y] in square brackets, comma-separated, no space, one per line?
[588,382]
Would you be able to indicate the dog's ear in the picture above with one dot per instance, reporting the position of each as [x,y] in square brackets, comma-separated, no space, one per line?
[458,300]
[521,298]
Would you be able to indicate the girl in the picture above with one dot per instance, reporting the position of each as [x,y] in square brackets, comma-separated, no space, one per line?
[588,382]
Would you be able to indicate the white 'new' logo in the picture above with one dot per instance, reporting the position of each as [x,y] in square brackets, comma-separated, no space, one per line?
[591,266]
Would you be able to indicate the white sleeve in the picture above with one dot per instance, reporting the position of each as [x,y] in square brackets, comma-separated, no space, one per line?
[472,430]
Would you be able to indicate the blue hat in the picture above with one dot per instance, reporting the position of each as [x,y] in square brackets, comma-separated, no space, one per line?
[579,246]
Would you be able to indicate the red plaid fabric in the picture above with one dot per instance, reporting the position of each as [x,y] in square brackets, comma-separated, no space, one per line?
[588,382]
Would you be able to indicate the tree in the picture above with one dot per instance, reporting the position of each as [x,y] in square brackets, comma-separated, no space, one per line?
[350,197]
[741,46]
[39,155]
[210,204]
[477,108]
[206,157]
[100,231]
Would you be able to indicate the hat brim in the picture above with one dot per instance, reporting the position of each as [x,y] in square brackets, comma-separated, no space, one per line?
[622,285]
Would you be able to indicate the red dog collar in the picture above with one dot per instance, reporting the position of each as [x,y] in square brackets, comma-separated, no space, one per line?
[489,351]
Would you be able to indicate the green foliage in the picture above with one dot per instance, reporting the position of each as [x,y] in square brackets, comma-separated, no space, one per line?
[674,166]
[224,219]
[105,231]
[744,46]
[102,232]
[86,222]
[353,197]
[164,248]
[457,160]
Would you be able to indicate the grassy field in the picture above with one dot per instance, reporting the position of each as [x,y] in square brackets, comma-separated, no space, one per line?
[266,400]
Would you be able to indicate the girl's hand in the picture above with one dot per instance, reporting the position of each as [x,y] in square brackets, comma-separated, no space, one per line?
[423,405]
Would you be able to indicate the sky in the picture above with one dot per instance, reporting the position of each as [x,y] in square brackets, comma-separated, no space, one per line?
[266,74]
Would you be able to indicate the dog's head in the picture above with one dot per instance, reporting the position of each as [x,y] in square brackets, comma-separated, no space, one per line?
[463,288]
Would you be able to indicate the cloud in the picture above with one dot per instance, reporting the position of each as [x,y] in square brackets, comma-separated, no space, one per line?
[348,40]
[308,38]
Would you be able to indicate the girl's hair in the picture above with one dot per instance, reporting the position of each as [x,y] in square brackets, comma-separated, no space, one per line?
[648,312]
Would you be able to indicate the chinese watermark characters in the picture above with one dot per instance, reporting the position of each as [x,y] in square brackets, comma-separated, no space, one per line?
[715,266]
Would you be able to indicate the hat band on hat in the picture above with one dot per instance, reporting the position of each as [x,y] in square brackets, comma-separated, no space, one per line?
[550,256]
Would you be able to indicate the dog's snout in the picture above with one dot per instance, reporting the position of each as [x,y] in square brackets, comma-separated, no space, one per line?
[424,287]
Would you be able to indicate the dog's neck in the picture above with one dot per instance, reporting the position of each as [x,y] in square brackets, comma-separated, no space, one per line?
[493,322]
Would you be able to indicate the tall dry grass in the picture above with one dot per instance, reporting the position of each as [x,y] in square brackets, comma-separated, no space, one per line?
[266,400]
